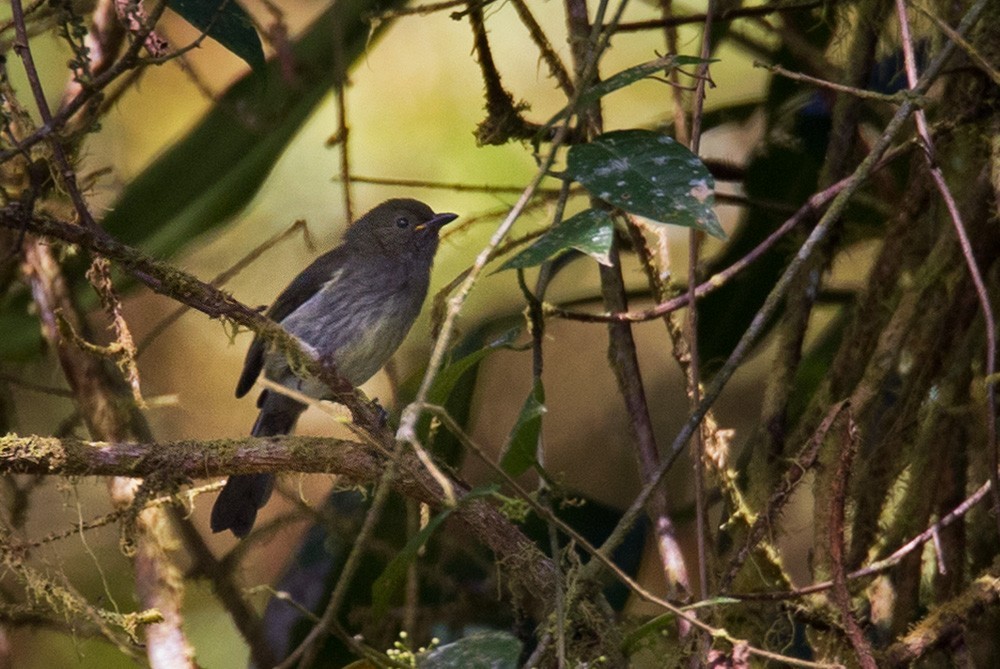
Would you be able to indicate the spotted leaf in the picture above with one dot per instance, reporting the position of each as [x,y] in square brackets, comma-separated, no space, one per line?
[648,174]
[589,232]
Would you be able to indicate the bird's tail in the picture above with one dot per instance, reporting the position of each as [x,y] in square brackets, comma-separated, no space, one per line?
[237,504]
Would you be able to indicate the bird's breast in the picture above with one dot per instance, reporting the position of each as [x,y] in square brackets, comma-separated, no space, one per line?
[358,319]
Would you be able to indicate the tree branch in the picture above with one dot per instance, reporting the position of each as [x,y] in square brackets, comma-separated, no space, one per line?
[188,459]
[187,289]
[530,573]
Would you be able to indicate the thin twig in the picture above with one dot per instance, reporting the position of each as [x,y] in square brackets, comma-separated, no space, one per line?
[796,471]
[777,295]
[35,387]
[886,563]
[544,492]
[720,198]
[841,595]
[694,364]
[937,175]
[223,278]
[453,186]
[600,556]
[418,10]
[963,44]
[894,98]
[66,171]
[725,15]
[343,135]
[307,650]
[549,55]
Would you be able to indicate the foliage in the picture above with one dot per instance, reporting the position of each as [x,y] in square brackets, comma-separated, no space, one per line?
[872,421]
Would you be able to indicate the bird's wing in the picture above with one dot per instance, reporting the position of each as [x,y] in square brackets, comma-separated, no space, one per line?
[302,287]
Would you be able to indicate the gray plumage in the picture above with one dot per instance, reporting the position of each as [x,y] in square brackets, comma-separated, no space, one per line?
[354,304]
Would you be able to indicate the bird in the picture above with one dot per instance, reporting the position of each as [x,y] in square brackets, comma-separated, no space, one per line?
[353,305]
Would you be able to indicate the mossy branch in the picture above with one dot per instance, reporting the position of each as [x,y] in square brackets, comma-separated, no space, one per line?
[946,622]
[188,459]
[532,574]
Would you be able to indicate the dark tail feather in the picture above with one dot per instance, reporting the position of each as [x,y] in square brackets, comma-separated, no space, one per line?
[237,504]
[236,507]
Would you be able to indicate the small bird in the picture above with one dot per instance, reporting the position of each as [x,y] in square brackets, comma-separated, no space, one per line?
[354,305]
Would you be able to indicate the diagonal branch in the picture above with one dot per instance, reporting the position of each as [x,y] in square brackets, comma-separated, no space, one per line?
[530,572]
[167,280]
[778,293]
[937,175]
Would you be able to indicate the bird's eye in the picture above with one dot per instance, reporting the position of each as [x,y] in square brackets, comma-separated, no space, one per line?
[402,222]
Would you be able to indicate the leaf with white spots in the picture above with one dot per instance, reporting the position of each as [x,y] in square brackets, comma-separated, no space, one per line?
[589,232]
[648,174]
[490,648]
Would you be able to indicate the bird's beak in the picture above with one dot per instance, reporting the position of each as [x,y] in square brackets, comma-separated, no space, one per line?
[438,222]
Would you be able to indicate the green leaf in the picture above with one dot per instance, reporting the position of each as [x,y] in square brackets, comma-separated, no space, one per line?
[680,60]
[648,174]
[446,379]
[227,23]
[658,624]
[590,232]
[454,387]
[711,602]
[519,454]
[391,579]
[636,73]
[625,78]
[484,650]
